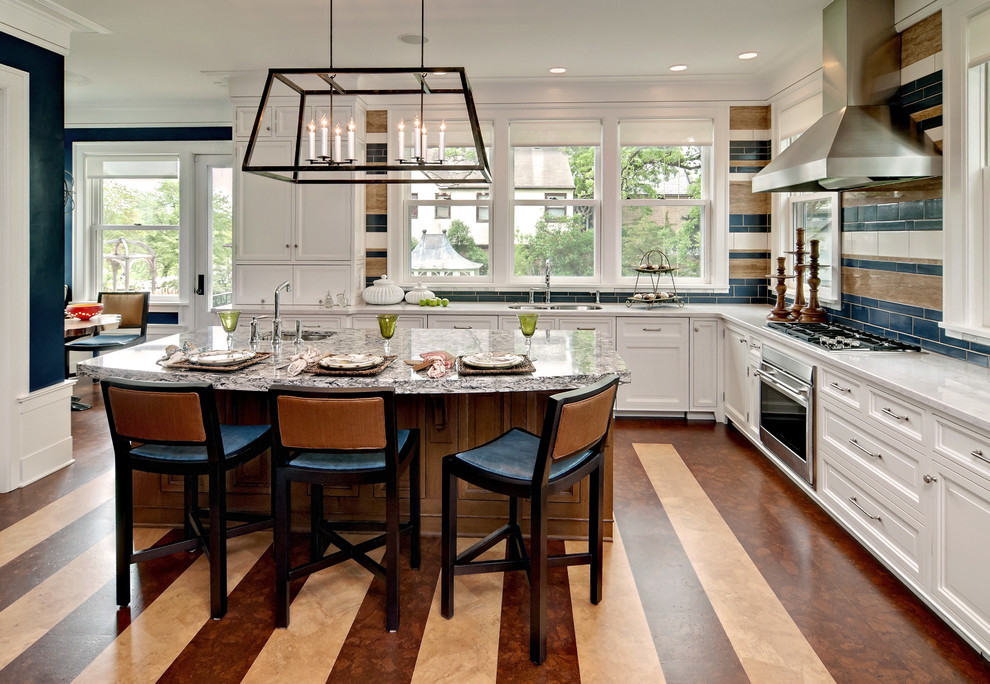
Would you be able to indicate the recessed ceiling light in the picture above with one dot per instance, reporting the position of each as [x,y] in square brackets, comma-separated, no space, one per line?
[557,70]
[413,39]
[678,67]
[748,55]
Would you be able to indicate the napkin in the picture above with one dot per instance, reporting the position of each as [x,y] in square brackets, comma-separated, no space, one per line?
[296,367]
[302,359]
[438,370]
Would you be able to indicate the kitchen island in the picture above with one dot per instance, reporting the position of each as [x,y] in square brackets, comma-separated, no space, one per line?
[453,413]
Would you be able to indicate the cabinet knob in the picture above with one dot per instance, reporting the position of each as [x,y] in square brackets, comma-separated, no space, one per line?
[286,245]
[296,246]
[928,479]
[697,329]
[262,301]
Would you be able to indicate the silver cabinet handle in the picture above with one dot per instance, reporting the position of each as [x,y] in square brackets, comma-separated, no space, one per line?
[652,329]
[587,328]
[978,453]
[839,387]
[754,345]
[890,413]
[864,449]
[742,340]
[852,500]
[463,327]
[928,479]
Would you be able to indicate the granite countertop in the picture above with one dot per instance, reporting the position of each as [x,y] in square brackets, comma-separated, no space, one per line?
[563,360]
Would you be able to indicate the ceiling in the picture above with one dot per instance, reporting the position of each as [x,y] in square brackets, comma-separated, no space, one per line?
[177,51]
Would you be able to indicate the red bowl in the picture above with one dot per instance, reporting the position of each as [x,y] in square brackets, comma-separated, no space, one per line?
[84,310]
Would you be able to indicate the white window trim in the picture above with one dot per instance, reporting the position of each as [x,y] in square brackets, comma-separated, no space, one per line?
[832,298]
[966,252]
[85,269]
[609,220]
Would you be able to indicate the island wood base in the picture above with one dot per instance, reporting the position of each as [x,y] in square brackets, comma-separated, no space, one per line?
[447,423]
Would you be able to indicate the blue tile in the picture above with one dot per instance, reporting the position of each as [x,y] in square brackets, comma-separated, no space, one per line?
[933,208]
[978,359]
[745,291]
[737,220]
[873,330]
[886,212]
[925,329]
[930,79]
[906,268]
[376,220]
[733,300]
[901,323]
[952,341]
[869,301]
[933,315]
[930,269]
[927,224]
[906,309]
[859,313]
[880,318]
[911,210]
[943,349]
[849,214]
[931,122]
[756,219]
[868,213]
[851,298]
[909,98]
[979,348]
[910,339]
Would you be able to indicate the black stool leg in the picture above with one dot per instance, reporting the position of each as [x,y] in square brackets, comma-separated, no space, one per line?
[595,533]
[218,542]
[538,579]
[449,542]
[282,520]
[414,509]
[191,502]
[316,545]
[392,540]
[125,533]
[512,551]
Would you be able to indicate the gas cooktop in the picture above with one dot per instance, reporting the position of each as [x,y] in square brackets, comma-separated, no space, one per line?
[838,337]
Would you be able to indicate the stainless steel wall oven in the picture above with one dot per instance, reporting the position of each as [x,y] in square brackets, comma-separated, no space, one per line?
[787,411]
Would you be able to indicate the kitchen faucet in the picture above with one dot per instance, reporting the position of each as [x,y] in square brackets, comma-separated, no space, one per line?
[277,323]
[546,297]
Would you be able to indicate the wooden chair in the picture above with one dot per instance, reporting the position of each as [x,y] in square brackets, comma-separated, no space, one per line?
[172,428]
[333,438]
[133,310]
[522,465]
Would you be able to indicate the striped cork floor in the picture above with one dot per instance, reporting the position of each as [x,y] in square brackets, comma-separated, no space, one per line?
[719,572]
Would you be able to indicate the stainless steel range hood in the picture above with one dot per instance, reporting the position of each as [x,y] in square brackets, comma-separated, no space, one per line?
[861,141]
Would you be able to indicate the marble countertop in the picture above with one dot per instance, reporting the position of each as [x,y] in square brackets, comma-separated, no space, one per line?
[563,360]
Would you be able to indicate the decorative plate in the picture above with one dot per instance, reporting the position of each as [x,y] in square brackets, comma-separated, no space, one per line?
[493,360]
[220,357]
[351,361]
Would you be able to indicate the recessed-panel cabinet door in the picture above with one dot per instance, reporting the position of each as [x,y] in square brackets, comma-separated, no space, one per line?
[263,216]
[323,222]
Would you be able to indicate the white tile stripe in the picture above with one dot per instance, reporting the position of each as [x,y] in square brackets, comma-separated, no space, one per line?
[614,641]
[770,646]
[45,522]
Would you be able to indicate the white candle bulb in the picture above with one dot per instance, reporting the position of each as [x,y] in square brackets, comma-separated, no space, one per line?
[443,128]
[416,139]
[336,143]
[350,140]
[402,139]
[323,128]
[425,149]
[312,139]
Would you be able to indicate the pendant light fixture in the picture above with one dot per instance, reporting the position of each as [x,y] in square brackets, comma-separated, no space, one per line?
[324,160]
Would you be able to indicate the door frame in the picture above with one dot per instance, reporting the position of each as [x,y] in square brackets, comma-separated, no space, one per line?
[201,311]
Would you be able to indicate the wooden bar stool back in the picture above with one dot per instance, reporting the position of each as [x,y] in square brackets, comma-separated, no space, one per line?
[521,465]
[341,438]
[173,428]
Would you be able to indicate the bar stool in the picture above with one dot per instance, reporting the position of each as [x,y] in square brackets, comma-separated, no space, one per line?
[333,438]
[172,428]
[521,465]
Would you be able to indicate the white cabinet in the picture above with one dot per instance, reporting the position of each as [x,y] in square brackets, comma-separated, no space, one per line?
[263,207]
[705,370]
[656,351]
[405,321]
[322,223]
[310,284]
[603,326]
[464,322]
[741,352]
[244,120]
[255,283]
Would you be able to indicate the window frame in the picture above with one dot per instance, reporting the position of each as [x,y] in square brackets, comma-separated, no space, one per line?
[831,297]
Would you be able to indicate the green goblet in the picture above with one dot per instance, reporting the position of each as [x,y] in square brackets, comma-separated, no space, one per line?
[228,320]
[527,324]
[386,326]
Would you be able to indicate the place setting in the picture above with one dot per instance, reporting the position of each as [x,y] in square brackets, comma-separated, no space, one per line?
[503,363]
[353,364]
[226,360]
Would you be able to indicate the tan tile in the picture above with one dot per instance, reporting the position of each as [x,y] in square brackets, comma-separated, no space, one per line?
[377,121]
[924,39]
[375,266]
[613,638]
[748,268]
[927,113]
[40,525]
[927,188]
[464,648]
[148,646]
[376,199]
[904,288]
[761,631]
[749,118]
[742,200]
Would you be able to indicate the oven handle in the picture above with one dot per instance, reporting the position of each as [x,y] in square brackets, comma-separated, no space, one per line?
[800,397]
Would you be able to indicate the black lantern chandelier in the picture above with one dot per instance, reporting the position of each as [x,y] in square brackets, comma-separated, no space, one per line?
[323,157]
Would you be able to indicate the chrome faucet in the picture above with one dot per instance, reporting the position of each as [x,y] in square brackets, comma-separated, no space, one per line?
[546,297]
[277,323]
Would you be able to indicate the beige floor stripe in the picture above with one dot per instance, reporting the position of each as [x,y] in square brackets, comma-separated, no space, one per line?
[614,641]
[770,646]
[464,648]
[42,524]
[320,619]
[157,636]
[32,615]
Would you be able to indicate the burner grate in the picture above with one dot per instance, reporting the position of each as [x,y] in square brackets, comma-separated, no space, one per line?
[839,337]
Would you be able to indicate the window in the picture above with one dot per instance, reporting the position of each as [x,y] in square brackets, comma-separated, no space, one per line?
[555,198]
[482,214]
[664,193]
[818,214]
[442,211]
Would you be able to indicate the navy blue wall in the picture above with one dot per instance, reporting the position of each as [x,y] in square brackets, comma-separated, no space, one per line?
[46,106]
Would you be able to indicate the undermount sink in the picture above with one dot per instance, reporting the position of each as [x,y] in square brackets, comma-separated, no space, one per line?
[530,307]
[576,307]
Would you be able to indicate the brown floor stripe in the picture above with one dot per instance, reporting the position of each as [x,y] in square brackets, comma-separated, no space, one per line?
[689,638]
[371,654]
[513,644]
[66,650]
[33,567]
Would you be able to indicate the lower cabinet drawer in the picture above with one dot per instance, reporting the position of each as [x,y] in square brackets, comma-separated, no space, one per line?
[894,536]
[963,445]
[903,416]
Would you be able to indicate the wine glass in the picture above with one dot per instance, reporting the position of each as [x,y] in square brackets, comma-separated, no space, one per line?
[386,326]
[228,319]
[527,324]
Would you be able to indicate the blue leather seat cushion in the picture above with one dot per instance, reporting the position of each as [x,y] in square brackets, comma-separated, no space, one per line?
[102,340]
[513,456]
[235,438]
[347,461]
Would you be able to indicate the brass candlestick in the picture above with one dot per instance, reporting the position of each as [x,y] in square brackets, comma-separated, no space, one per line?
[813,312]
[780,311]
[799,267]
